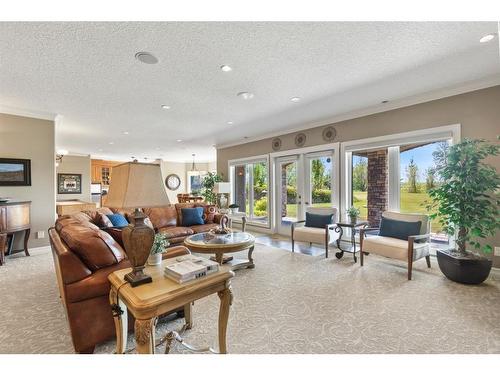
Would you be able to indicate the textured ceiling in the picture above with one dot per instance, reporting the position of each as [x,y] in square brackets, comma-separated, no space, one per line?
[87,73]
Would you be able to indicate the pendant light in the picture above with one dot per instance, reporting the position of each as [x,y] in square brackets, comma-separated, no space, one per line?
[193,166]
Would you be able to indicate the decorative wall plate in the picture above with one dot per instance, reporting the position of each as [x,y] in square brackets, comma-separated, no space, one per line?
[276,143]
[172,182]
[329,133]
[300,140]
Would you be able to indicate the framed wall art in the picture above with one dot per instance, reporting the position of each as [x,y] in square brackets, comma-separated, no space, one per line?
[15,172]
[69,183]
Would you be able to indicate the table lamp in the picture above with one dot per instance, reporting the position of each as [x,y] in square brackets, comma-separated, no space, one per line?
[222,188]
[137,185]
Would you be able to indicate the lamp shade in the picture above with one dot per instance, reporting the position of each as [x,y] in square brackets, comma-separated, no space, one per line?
[136,185]
[222,188]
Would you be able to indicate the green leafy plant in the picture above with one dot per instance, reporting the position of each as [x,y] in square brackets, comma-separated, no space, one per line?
[466,199]
[160,244]
[207,187]
[353,212]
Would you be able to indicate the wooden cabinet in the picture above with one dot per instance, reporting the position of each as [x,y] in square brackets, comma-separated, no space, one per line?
[14,218]
[102,170]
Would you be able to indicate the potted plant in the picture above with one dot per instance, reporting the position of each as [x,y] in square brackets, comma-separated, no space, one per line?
[353,214]
[234,208]
[160,244]
[466,202]
[207,187]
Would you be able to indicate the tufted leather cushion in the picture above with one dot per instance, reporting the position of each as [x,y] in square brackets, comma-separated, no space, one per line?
[96,249]
[103,221]
[68,220]
[203,228]
[173,232]
[161,217]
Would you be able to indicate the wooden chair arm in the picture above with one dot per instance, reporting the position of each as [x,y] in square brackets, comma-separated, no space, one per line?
[294,224]
[412,239]
[362,231]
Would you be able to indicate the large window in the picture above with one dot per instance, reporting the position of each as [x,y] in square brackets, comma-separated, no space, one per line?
[360,184]
[250,182]
[418,175]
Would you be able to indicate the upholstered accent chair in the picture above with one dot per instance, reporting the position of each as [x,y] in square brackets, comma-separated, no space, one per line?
[323,236]
[415,248]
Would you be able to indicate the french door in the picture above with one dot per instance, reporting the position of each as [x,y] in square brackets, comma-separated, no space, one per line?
[302,180]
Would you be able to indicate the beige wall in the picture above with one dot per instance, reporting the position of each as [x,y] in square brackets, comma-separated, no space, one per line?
[29,138]
[77,165]
[168,167]
[478,112]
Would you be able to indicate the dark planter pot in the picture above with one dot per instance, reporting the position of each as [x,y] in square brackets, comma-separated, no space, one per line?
[464,270]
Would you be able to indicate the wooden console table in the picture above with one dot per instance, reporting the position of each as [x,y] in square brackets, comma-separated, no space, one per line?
[15,218]
[148,301]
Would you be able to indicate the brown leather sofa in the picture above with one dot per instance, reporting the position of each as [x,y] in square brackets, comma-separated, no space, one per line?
[166,220]
[84,256]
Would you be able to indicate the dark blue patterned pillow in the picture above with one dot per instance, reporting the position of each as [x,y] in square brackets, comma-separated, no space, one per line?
[192,216]
[318,221]
[118,220]
[399,229]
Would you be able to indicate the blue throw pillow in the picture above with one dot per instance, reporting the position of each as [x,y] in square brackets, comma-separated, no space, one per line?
[399,229]
[118,220]
[318,221]
[192,216]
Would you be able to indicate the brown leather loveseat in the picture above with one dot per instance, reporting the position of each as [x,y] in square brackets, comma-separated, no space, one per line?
[84,256]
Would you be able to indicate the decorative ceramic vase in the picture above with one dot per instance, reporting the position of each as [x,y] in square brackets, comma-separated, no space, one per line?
[154,259]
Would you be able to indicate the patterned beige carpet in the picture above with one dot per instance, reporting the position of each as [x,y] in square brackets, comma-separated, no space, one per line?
[290,303]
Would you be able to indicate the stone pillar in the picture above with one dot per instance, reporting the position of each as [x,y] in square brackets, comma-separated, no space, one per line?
[377,186]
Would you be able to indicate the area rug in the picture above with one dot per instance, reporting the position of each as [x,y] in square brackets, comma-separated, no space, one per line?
[290,303]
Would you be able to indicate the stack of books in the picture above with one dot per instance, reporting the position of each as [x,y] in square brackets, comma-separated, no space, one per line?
[189,267]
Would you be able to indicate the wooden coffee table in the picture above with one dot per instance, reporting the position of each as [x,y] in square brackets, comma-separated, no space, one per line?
[148,301]
[220,244]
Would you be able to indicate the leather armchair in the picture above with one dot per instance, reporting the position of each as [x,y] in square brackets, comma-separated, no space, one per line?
[407,250]
[323,236]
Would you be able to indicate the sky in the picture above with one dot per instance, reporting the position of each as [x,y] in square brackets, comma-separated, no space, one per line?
[422,157]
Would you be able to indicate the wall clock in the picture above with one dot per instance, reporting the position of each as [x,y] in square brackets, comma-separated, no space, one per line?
[173,181]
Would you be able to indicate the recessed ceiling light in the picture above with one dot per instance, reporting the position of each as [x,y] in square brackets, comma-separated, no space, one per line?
[245,95]
[226,68]
[230,123]
[487,38]
[164,106]
[126,133]
[295,99]
[146,58]
[111,143]
[179,140]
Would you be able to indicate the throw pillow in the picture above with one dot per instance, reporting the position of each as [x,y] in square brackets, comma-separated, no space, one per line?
[192,216]
[209,211]
[399,229]
[118,220]
[103,221]
[317,220]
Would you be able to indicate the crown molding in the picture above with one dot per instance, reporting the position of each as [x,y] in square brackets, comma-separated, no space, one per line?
[27,113]
[463,88]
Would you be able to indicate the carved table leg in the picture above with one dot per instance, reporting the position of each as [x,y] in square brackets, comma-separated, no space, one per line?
[121,324]
[26,238]
[145,336]
[226,299]
[3,244]
[219,257]
[250,259]
[188,316]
